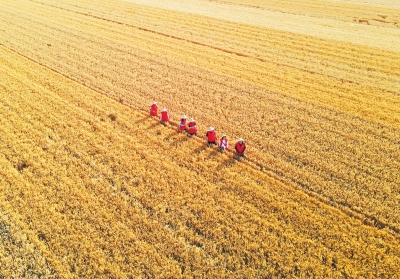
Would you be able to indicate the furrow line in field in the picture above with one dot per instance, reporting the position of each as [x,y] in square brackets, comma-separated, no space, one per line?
[255,163]
[71,43]
[124,195]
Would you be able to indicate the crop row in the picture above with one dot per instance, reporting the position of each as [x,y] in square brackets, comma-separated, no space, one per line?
[247,39]
[345,158]
[347,91]
[97,42]
[122,196]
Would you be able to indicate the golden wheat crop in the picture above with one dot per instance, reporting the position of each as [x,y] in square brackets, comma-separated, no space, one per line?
[92,187]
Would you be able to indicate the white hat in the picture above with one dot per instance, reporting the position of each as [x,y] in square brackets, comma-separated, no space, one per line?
[191,119]
[240,139]
[164,109]
[154,102]
[224,136]
[211,129]
[184,116]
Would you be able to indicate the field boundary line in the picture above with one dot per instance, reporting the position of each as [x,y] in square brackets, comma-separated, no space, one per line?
[253,164]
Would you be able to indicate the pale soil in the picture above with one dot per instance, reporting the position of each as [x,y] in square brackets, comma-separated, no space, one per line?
[372,3]
[385,38]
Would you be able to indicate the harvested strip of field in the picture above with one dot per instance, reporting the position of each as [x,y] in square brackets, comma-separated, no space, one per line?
[105,191]
[324,119]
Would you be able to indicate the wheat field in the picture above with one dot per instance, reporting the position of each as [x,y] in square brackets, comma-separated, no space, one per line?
[92,187]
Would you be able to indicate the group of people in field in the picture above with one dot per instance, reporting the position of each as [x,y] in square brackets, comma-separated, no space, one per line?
[191,128]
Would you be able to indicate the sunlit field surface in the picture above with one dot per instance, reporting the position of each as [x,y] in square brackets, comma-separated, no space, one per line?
[92,187]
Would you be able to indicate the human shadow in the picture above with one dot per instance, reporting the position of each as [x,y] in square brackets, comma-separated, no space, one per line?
[154,125]
[170,136]
[215,152]
[229,162]
[181,138]
[141,120]
[201,148]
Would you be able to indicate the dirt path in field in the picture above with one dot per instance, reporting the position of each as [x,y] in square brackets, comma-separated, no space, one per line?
[385,38]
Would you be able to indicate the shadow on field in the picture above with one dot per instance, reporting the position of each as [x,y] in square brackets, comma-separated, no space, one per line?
[180,139]
[141,120]
[203,147]
[227,163]
[214,152]
[171,137]
[154,125]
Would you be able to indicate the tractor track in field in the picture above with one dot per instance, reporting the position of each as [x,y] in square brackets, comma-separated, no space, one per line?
[367,219]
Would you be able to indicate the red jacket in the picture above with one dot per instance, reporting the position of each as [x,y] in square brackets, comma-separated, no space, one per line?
[192,127]
[182,125]
[153,110]
[211,136]
[240,148]
[164,116]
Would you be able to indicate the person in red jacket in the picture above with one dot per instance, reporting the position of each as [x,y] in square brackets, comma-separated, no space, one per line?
[153,109]
[192,127]
[182,124]
[223,143]
[164,118]
[211,136]
[240,147]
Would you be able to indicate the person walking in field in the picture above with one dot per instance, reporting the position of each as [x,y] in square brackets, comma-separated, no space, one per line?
[240,147]
[182,124]
[153,109]
[223,143]
[164,118]
[192,127]
[211,136]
